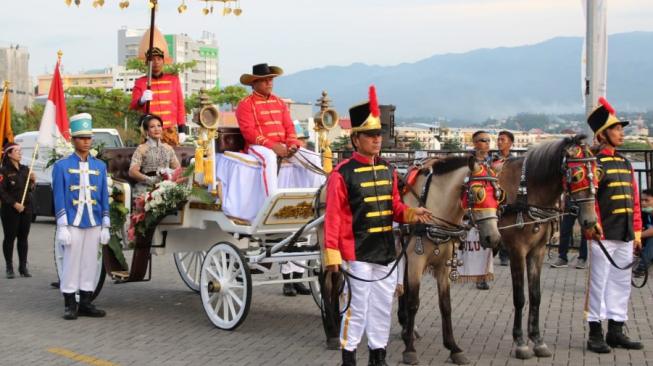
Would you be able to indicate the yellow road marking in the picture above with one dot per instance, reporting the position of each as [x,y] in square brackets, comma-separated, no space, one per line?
[80,358]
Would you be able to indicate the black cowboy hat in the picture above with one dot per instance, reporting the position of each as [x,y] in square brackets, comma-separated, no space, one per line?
[260,71]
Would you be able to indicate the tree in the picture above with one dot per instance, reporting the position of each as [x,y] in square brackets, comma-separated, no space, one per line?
[28,121]
[175,69]
[341,143]
[229,96]
[635,145]
[415,145]
[449,144]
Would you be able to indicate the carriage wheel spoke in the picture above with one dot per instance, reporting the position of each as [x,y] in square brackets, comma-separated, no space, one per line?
[232,309]
[213,274]
[236,298]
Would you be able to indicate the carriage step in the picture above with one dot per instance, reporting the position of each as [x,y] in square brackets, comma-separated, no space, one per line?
[120,275]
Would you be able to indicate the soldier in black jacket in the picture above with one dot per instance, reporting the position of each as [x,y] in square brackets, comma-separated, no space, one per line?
[16,217]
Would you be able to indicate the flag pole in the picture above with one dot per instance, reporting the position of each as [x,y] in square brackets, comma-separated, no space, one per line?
[36,147]
[149,53]
[29,175]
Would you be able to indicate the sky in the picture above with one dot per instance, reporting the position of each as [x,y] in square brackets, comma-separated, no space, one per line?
[304,34]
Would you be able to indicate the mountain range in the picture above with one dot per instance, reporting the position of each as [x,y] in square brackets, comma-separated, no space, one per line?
[499,82]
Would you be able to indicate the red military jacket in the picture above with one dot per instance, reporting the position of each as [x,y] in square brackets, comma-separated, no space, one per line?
[345,216]
[167,99]
[266,121]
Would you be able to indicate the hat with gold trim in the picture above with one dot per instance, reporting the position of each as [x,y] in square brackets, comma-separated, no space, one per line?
[603,116]
[81,125]
[366,117]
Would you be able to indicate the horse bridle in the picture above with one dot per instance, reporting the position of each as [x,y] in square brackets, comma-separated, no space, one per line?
[587,161]
[471,197]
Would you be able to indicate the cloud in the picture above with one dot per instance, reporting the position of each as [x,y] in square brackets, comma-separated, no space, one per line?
[304,34]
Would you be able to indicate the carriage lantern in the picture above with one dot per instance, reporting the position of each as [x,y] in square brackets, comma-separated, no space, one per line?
[325,119]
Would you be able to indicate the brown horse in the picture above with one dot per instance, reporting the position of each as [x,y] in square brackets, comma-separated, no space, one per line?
[533,185]
[433,248]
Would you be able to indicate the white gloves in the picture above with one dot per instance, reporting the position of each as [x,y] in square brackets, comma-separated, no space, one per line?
[146,97]
[63,236]
[105,236]
[182,137]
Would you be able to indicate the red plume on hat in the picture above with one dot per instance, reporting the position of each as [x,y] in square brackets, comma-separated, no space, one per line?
[374,102]
[607,105]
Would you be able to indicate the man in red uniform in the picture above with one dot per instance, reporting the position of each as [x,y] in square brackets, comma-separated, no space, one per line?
[269,132]
[165,97]
[619,230]
[362,202]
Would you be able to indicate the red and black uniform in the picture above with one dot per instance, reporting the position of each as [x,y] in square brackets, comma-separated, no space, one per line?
[617,201]
[362,202]
[266,121]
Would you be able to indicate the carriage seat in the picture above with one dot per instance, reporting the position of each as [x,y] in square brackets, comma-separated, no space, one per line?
[119,159]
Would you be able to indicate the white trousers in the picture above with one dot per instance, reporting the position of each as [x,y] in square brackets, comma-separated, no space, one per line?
[243,192]
[80,260]
[609,287]
[370,310]
[291,174]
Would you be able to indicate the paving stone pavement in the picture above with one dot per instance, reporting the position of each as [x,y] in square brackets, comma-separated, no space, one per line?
[162,322]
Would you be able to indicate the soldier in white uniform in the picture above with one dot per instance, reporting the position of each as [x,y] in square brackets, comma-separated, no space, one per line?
[81,204]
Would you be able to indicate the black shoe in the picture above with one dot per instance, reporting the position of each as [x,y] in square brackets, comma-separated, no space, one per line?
[504,261]
[595,341]
[10,273]
[616,337]
[300,288]
[377,357]
[288,288]
[86,308]
[70,309]
[348,358]
[24,272]
[482,285]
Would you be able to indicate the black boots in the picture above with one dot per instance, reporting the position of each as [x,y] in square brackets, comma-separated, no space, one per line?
[86,308]
[616,337]
[377,357]
[22,269]
[300,287]
[288,288]
[70,310]
[348,358]
[10,271]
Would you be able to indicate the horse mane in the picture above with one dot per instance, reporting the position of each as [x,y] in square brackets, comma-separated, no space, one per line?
[441,166]
[543,161]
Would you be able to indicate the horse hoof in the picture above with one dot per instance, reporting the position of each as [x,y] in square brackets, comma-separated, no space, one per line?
[410,358]
[542,350]
[333,343]
[524,352]
[459,358]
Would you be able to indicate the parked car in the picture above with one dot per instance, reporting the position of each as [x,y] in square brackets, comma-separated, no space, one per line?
[42,196]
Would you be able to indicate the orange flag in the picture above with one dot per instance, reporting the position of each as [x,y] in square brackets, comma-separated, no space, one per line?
[6,133]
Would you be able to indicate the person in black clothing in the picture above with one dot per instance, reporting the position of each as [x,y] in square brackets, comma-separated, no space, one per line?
[16,217]
[567,240]
[646,254]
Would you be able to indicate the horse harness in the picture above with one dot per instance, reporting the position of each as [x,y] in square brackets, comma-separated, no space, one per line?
[449,232]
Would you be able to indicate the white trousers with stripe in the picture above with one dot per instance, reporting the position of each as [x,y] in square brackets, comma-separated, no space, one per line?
[609,287]
[370,310]
[80,260]
[291,174]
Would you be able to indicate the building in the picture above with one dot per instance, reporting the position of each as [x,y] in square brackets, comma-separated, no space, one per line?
[14,67]
[102,79]
[182,49]
[405,138]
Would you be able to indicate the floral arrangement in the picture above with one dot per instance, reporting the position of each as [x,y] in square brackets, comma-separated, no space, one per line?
[118,215]
[63,148]
[163,199]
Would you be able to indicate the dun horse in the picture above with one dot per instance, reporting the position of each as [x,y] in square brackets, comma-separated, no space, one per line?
[534,185]
[433,247]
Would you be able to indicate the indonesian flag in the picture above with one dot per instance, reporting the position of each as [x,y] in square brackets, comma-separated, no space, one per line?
[54,123]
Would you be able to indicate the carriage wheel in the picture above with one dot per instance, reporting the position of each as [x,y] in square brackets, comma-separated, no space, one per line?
[99,277]
[225,286]
[189,266]
[315,284]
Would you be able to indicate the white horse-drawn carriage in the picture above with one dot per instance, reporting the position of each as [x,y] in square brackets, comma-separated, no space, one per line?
[221,257]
